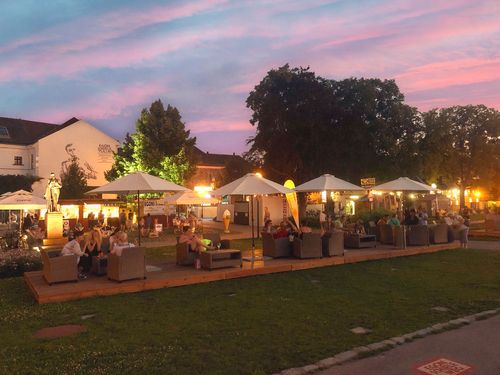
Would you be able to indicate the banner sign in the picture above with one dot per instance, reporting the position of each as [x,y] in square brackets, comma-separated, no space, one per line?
[154,206]
[368,182]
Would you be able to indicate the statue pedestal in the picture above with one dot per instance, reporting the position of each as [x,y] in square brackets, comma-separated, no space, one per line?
[54,229]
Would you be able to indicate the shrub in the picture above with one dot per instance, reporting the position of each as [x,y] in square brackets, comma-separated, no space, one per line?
[16,262]
[373,215]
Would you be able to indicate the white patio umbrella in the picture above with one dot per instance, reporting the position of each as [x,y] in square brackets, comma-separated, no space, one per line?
[403,184]
[327,182]
[137,183]
[255,185]
[190,198]
[21,200]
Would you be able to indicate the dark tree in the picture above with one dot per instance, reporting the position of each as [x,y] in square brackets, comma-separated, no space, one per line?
[11,183]
[292,112]
[307,126]
[462,146]
[73,181]
[235,168]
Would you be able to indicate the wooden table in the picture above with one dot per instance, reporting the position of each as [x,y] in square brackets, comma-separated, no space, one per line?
[211,259]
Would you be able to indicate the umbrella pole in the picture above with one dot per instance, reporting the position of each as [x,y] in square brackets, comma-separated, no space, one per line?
[138,216]
[253,237]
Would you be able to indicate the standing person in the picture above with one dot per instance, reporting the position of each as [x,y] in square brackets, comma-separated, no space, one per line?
[130,220]
[267,214]
[322,220]
[100,218]
[148,223]
[123,221]
[412,218]
[27,223]
[422,216]
[73,248]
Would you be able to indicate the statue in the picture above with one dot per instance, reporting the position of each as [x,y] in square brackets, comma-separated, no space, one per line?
[52,193]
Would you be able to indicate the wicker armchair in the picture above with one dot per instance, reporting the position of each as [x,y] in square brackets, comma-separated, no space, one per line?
[310,246]
[131,264]
[336,243]
[275,247]
[386,233]
[184,257]
[57,269]
[418,235]
[438,233]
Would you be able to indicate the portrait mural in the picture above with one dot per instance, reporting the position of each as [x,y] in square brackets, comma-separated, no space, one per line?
[90,172]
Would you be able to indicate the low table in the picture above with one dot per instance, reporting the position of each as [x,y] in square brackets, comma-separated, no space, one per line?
[211,259]
[359,241]
[99,266]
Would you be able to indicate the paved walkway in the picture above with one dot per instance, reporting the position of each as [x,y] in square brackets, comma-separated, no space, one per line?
[476,345]
[484,245]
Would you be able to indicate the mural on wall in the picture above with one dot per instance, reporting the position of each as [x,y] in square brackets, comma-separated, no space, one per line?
[90,172]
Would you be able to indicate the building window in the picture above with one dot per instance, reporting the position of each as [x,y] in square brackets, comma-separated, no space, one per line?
[4,132]
[18,160]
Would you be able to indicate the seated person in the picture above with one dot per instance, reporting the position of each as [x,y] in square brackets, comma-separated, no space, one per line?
[268,227]
[422,215]
[282,231]
[359,227]
[194,243]
[339,222]
[73,248]
[121,243]
[383,220]
[394,220]
[412,218]
[93,244]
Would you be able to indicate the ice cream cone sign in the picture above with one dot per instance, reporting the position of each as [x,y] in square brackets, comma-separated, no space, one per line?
[226,220]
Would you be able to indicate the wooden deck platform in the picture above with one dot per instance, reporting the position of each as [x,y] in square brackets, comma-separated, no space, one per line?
[172,275]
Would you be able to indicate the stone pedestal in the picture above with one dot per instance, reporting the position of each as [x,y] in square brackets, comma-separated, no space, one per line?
[54,229]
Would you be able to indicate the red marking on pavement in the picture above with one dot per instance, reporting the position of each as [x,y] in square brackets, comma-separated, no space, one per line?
[443,366]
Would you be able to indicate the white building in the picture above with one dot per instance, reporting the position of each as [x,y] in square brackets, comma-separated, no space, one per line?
[37,149]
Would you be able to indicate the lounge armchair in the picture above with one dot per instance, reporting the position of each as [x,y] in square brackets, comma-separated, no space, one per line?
[184,256]
[336,243]
[438,233]
[310,246]
[492,224]
[58,268]
[275,247]
[215,238]
[456,234]
[386,232]
[417,235]
[131,264]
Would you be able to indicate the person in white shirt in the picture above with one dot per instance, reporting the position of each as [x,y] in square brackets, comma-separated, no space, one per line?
[121,243]
[73,248]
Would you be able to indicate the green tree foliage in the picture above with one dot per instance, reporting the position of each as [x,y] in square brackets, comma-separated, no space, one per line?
[462,147]
[308,125]
[161,146]
[73,181]
[11,182]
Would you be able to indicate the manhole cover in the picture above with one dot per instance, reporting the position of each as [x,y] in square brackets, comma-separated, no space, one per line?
[443,366]
[59,331]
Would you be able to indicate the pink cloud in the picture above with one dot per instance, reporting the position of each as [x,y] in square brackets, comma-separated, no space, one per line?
[107,104]
[211,125]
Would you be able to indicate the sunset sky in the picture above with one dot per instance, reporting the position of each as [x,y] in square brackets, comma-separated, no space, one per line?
[103,61]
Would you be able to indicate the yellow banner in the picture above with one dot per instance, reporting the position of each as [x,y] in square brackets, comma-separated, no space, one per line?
[293,203]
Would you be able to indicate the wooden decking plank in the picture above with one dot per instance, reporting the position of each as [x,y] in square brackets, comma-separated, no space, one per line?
[172,275]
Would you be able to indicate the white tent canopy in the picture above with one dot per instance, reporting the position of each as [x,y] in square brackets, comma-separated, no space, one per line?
[138,182]
[190,198]
[327,182]
[21,200]
[403,184]
[251,184]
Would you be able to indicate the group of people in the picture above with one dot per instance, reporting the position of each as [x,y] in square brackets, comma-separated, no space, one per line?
[99,243]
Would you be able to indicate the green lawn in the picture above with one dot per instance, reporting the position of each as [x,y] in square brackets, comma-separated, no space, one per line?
[244,326]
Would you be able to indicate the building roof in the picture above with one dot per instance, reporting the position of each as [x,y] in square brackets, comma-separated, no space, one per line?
[213,160]
[24,132]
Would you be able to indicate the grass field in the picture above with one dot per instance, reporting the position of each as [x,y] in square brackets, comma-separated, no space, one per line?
[256,325]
